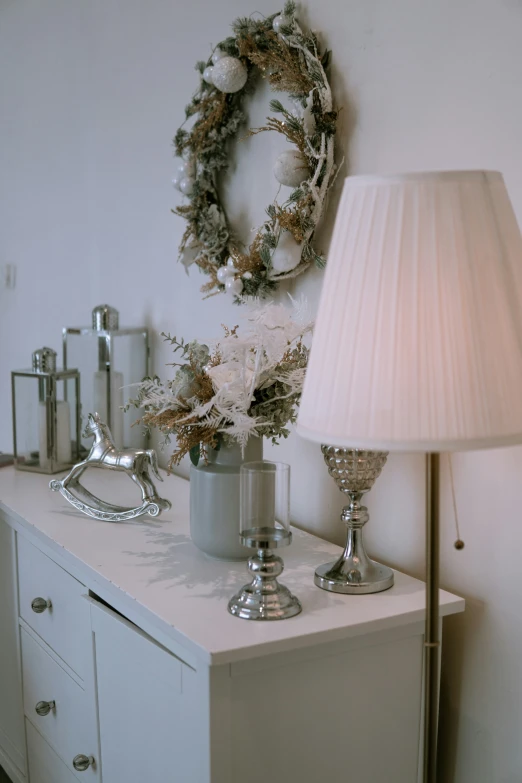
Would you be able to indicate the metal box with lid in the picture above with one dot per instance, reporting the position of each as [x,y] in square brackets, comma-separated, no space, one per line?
[110,360]
[46,415]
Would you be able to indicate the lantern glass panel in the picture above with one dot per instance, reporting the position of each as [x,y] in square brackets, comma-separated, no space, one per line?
[45,410]
[110,362]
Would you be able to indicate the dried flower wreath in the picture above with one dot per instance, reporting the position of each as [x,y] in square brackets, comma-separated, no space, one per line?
[282,247]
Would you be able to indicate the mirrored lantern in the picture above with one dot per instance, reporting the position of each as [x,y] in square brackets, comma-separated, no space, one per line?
[46,415]
[110,359]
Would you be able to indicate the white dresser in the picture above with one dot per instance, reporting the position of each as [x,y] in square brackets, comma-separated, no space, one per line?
[119,662]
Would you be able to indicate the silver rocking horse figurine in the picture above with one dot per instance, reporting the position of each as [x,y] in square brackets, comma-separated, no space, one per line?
[104,454]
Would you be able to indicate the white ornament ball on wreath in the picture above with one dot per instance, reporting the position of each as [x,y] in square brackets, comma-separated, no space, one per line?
[279,22]
[187,186]
[223,274]
[229,75]
[218,55]
[291,168]
[186,168]
[234,286]
[287,254]
[207,74]
[176,179]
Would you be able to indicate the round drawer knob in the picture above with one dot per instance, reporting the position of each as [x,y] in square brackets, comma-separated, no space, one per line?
[81,762]
[39,605]
[45,707]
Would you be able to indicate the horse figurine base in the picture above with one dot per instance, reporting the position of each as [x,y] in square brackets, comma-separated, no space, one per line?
[103,454]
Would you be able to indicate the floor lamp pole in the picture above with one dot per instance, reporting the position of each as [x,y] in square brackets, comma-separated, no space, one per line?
[431,634]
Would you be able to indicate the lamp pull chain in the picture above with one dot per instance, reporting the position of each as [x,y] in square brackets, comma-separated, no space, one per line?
[459,543]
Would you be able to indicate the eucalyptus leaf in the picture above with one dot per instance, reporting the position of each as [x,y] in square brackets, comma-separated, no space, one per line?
[266,257]
[194,454]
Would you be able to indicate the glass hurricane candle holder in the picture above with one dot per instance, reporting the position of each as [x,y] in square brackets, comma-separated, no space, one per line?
[264,526]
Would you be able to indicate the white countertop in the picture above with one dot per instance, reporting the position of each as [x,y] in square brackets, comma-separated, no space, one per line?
[178,590]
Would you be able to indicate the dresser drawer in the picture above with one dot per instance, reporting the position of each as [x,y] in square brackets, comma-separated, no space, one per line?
[70,727]
[65,625]
[44,765]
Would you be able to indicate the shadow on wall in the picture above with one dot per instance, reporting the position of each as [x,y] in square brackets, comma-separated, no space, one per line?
[481,702]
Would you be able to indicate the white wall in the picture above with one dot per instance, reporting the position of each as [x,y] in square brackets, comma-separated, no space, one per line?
[91,92]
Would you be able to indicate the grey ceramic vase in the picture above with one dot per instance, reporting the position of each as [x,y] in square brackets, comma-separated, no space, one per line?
[214,500]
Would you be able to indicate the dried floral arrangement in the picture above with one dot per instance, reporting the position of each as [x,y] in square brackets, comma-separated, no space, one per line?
[249,383]
[292,62]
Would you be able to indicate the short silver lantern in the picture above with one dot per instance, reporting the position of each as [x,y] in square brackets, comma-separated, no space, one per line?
[46,415]
[110,359]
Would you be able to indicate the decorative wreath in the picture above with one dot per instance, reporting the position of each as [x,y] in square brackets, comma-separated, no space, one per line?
[282,248]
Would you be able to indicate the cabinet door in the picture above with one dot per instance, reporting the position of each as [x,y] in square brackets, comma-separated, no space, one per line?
[12,734]
[141,708]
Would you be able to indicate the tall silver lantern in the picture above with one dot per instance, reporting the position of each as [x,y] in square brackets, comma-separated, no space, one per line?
[46,415]
[110,359]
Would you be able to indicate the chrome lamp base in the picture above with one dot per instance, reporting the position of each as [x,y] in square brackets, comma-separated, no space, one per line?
[347,576]
[354,471]
[265,598]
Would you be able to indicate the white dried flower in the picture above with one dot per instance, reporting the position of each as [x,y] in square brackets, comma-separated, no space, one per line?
[228,374]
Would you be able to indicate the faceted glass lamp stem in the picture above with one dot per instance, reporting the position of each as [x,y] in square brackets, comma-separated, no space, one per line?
[354,471]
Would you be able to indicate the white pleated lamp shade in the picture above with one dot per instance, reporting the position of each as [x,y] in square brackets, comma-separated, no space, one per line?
[418,338]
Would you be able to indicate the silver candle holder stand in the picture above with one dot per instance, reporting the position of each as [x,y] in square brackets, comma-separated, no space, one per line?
[264,598]
[264,526]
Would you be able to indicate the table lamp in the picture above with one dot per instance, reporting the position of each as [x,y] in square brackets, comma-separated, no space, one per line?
[418,339]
